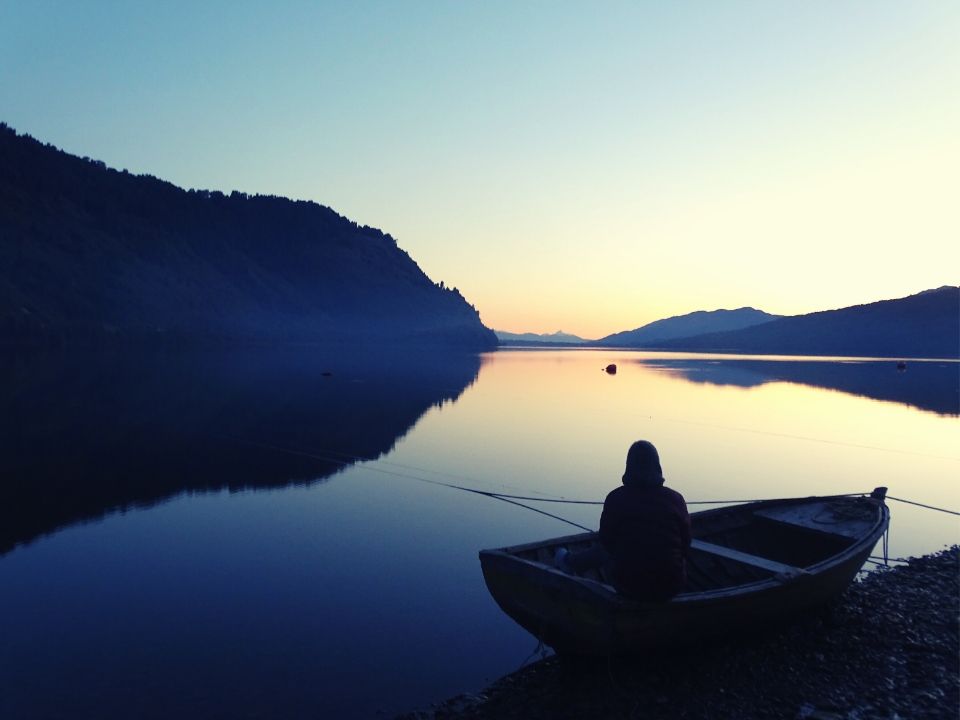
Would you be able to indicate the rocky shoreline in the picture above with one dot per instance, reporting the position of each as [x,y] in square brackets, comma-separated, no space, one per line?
[888,648]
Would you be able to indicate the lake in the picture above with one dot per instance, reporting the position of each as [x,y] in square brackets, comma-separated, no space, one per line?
[254,534]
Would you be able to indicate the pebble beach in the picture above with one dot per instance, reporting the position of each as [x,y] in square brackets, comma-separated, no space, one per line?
[888,648]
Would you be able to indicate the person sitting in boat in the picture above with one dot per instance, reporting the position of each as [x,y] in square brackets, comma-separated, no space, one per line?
[644,533]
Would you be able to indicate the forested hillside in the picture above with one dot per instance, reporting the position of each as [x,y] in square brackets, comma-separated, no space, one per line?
[92,254]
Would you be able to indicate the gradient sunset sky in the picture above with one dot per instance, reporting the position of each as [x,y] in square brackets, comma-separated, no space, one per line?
[589,167]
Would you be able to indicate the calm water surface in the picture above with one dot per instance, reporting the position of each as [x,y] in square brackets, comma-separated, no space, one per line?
[259,535]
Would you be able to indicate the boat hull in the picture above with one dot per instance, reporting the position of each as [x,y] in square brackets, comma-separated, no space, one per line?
[576,615]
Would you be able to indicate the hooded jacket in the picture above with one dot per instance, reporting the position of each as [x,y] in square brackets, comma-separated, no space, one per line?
[645,528]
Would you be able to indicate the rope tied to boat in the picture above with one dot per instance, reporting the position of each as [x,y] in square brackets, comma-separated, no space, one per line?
[347,460]
[540,651]
[928,507]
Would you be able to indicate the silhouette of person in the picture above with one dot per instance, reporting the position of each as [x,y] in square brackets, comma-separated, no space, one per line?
[644,533]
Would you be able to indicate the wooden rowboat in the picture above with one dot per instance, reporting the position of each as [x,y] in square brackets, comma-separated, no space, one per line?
[749,566]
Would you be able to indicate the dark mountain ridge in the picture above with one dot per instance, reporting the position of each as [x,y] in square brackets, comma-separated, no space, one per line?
[88,253]
[557,338]
[695,323]
[926,324]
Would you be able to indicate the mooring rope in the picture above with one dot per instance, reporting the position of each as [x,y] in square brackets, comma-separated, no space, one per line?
[511,499]
[347,459]
[928,507]
[536,510]
[540,650]
[507,497]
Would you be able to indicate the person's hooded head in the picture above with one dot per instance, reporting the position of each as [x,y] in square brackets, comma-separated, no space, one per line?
[643,466]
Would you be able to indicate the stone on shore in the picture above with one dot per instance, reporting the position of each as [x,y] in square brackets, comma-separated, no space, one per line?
[888,648]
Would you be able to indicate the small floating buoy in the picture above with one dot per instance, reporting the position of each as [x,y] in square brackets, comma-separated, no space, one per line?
[610,369]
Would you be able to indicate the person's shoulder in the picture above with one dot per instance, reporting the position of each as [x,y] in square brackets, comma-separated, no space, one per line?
[674,495]
[615,495]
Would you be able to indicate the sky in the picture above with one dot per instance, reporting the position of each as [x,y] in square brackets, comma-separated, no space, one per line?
[589,167]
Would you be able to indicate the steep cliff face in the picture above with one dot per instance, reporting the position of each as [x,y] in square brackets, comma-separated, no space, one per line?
[88,253]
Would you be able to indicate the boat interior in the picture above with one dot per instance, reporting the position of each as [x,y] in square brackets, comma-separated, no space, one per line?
[736,546]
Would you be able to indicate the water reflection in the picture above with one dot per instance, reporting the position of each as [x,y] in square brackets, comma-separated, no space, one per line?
[81,436]
[361,597]
[928,385]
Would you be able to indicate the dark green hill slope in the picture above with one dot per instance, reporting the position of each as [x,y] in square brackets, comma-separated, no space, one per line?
[88,253]
[923,325]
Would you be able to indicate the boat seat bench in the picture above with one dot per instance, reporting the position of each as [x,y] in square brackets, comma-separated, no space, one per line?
[747,559]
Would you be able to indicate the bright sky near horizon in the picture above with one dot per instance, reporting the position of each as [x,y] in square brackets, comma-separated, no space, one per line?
[589,167]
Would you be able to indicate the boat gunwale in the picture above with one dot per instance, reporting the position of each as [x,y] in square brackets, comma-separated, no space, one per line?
[609,593]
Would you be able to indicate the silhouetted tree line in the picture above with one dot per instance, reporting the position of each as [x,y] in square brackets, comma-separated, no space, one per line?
[88,252]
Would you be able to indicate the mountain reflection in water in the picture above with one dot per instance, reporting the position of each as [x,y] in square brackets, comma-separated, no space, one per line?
[81,436]
[928,385]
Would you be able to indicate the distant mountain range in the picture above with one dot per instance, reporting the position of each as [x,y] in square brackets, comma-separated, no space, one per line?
[557,338]
[926,324]
[89,254]
[923,325]
[682,326]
